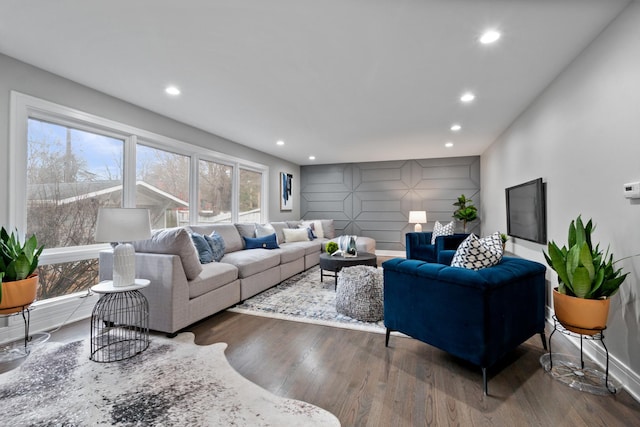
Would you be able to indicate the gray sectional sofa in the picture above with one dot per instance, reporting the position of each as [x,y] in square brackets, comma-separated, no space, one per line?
[183,291]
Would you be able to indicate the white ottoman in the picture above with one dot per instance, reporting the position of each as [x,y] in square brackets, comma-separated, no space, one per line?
[359,293]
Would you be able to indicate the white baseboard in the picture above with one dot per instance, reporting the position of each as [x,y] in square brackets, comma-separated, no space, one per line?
[595,351]
[48,315]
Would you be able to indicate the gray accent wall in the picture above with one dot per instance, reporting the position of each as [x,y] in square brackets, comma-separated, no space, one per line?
[374,199]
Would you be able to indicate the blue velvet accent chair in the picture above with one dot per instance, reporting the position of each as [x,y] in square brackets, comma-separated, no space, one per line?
[418,245]
[478,316]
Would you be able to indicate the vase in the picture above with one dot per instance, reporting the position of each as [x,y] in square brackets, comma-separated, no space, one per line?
[351,248]
[580,315]
[18,295]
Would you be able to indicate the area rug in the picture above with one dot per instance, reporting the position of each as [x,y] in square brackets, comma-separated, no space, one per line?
[303,298]
[172,383]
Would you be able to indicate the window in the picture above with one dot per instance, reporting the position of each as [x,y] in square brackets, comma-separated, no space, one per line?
[65,164]
[70,174]
[250,193]
[215,185]
[162,186]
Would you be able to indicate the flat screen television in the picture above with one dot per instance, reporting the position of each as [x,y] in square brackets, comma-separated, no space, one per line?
[526,211]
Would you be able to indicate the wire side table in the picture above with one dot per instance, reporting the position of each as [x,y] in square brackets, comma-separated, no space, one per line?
[119,322]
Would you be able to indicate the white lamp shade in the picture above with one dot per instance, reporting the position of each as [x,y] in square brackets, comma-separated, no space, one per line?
[417,217]
[122,225]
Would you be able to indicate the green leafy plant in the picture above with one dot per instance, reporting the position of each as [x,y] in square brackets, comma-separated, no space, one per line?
[331,247]
[465,211]
[504,238]
[584,271]
[17,260]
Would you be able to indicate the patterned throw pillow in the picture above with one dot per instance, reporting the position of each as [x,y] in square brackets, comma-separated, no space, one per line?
[441,230]
[475,254]
[217,245]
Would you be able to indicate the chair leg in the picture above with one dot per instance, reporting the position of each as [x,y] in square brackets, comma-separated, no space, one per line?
[386,341]
[485,384]
[544,340]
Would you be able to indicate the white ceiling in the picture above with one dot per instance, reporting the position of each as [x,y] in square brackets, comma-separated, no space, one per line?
[344,80]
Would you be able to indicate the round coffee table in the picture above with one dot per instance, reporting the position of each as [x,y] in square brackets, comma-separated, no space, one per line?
[337,263]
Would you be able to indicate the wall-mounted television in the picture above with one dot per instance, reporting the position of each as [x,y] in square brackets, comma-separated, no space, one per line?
[526,211]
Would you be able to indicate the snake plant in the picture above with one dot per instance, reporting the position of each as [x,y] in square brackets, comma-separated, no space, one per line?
[584,271]
[17,260]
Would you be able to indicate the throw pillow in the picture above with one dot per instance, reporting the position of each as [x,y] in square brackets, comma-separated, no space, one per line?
[441,230]
[328,228]
[317,229]
[309,227]
[263,230]
[265,242]
[475,254]
[173,241]
[204,250]
[217,245]
[246,229]
[295,235]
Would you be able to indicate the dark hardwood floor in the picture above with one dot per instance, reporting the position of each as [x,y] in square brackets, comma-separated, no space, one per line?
[353,375]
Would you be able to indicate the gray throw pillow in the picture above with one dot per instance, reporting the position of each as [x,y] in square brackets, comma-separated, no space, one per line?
[173,241]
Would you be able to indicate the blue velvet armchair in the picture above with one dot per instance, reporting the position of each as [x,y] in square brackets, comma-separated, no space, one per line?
[478,316]
[418,245]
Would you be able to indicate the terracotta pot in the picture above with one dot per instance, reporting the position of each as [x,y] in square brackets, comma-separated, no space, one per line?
[579,315]
[18,295]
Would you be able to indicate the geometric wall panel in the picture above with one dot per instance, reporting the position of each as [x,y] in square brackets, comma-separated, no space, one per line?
[373,199]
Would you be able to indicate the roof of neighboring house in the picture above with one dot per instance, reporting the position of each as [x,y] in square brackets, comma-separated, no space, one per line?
[64,193]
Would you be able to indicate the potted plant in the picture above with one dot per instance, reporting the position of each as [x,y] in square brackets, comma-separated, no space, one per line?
[331,247]
[465,211]
[504,239]
[18,262]
[587,279]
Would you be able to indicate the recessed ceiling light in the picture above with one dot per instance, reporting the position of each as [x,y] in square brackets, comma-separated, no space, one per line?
[280,142]
[172,90]
[449,144]
[456,127]
[467,97]
[489,37]
[312,157]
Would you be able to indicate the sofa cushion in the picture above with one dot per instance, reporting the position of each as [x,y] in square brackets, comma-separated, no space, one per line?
[308,246]
[173,241]
[216,243]
[252,261]
[290,252]
[213,276]
[246,229]
[441,230]
[475,254]
[279,226]
[328,228]
[232,240]
[205,255]
[295,235]
[266,242]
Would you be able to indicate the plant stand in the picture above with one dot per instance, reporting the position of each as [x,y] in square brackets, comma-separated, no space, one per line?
[578,374]
[13,351]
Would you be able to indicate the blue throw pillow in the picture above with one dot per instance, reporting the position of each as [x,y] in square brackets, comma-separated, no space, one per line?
[204,250]
[266,242]
[216,242]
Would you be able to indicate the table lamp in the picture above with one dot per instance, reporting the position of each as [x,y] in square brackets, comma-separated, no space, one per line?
[120,226]
[417,218]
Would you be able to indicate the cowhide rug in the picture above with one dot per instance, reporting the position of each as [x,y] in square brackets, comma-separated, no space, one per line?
[173,383]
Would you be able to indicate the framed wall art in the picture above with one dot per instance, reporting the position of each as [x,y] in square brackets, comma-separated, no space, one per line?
[286,195]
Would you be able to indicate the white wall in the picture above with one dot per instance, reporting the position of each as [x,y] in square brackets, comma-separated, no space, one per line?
[582,136]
